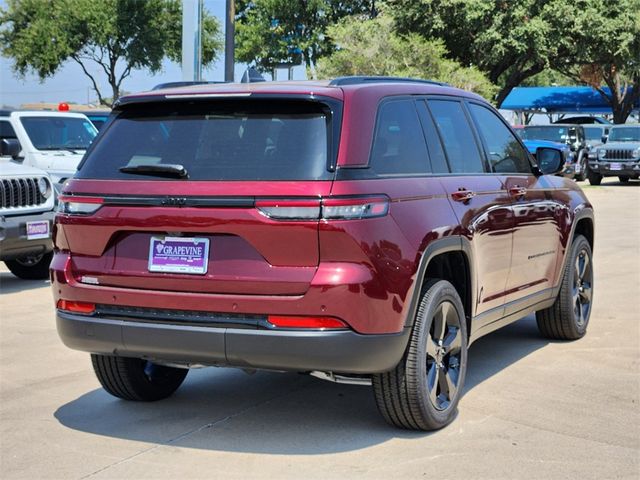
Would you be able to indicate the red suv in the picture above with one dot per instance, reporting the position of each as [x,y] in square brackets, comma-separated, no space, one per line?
[362,230]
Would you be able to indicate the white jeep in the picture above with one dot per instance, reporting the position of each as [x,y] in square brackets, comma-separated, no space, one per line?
[52,141]
[26,215]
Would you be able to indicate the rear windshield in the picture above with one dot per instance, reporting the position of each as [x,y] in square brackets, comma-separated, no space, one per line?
[59,133]
[240,140]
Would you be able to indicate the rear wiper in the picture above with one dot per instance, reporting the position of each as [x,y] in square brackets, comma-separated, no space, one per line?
[158,170]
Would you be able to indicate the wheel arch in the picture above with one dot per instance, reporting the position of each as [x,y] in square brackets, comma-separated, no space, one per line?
[584,226]
[447,259]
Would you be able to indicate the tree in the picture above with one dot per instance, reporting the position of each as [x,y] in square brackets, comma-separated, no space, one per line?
[274,32]
[116,35]
[508,40]
[605,51]
[371,47]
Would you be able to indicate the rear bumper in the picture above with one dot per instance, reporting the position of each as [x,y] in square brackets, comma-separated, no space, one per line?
[13,236]
[336,351]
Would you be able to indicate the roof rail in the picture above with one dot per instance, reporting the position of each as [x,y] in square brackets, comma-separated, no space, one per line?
[341,81]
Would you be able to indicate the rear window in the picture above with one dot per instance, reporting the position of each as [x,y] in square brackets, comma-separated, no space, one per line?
[224,140]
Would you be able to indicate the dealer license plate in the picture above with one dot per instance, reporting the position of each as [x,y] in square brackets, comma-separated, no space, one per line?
[37,230]
[615,166]
[179,255]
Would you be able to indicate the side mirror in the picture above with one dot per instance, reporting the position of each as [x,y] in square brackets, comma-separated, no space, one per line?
[9,147]
[549,160]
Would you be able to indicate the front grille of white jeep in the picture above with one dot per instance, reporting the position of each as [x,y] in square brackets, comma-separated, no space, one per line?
[20,192]
[618,154]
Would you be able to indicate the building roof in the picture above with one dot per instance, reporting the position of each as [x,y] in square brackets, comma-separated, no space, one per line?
[558,100]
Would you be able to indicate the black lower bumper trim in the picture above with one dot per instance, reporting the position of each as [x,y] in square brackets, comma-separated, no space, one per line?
[13,236]
[342,351]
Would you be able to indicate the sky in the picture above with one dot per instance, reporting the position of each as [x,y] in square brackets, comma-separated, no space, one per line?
[70,84]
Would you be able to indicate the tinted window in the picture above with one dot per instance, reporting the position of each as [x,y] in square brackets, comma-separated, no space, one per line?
[455,131]
[551,133]
[505,153]
[59,133]
[399,146]
[624,134]
[594,133]
[238,140]
[436,152]
[6,130]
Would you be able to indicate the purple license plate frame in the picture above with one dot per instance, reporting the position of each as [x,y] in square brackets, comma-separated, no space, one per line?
[39,229]
[188,255]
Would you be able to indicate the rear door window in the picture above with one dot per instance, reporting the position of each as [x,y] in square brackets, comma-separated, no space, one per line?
[457,136]
[505,153]
[399,146]
[436,152]
[240,140]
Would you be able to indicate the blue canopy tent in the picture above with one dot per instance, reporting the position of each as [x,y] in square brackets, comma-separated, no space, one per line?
[558,100]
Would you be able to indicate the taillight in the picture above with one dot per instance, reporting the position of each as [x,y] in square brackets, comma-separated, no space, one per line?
[354,208]
[76,307]
[290,209]
[336,208]
[315,323]
[78,205]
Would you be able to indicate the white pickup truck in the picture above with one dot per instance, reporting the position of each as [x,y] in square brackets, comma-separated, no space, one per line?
[52,141]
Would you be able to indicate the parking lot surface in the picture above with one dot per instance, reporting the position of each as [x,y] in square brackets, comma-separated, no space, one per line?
[532,408]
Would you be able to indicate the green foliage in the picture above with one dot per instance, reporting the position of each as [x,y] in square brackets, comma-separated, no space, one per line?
[605,48]
[273,32]
[115,35]
[509,40]
[548,78]
[371,47]
[593,42]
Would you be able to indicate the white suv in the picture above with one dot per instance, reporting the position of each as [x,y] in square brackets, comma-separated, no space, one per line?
[26,214]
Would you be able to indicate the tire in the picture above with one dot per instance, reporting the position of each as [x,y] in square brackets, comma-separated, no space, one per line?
[32,267]
[136,379]
[594,178]
[583,167]
[403,395]
[624,179]
[568,317]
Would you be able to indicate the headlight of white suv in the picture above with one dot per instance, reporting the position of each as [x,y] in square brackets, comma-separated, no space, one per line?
[601,152]
[636,153]
[44,187]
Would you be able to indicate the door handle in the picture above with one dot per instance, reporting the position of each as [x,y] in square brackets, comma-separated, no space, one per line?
[463,195]
[517,191]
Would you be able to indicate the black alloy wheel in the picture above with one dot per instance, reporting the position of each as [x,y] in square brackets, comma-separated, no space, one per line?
[582,287]
[422,392]
[444,349]
[568,317]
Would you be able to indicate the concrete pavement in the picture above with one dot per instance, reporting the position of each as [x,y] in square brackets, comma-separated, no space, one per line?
[532,408]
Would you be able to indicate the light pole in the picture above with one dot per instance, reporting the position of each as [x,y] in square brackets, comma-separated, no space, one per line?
[191,40]
[229,39]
